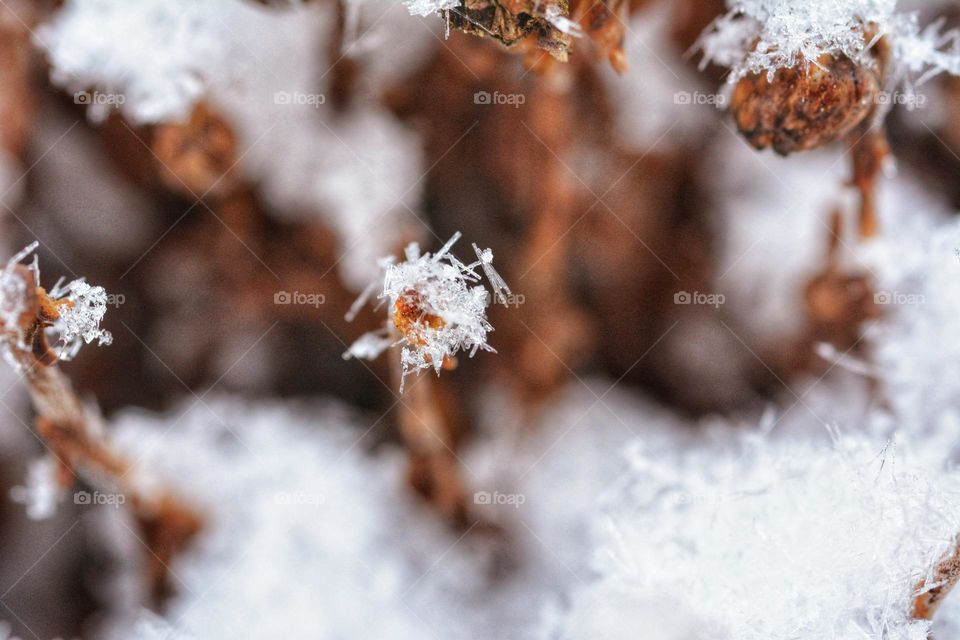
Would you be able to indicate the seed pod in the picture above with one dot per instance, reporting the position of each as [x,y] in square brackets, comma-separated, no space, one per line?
[806,106]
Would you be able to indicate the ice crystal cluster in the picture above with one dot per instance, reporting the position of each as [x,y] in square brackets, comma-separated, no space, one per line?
[771,540]
[761,36]
[305,534]
[428,7]
[80,307]
[440,303]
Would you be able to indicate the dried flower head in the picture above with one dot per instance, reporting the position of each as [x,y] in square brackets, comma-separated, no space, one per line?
[762,36]
[805,106]
[437,308]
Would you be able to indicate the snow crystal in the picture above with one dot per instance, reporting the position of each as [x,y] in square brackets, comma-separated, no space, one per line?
[915,350]
[305,533]
[446,307]
[81,307]
[429,7]
[770,540]
[80,319]
[758,36]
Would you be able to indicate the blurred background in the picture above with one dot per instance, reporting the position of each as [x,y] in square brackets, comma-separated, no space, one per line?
[231,171]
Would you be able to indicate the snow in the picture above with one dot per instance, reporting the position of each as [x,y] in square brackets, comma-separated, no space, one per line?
[81,318]
[658,99]
[81,308]
[760,539]
[267,70]
[13,292]
[306,535]
[428,7]
[41,492]
[447,308]
[758,36]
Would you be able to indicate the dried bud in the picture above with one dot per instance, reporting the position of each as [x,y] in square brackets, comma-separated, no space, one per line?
[806,106]
[412,320]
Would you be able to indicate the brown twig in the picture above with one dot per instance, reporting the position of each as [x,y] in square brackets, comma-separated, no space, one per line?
[434,469]
[72,431]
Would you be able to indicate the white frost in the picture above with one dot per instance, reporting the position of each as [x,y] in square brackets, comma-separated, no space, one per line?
[436,285]
[758,36]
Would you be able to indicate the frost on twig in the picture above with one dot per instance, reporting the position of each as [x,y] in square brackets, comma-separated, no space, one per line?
[437,308]
[70,315]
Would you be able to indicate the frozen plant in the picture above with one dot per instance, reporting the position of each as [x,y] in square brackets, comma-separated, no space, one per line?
[806,74]
[71,313]
[70,430]
[436,308]
[762,36]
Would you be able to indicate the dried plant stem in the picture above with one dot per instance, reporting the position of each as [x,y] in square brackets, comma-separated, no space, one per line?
[73,434]
[945,577]
[434,470]
[869,152]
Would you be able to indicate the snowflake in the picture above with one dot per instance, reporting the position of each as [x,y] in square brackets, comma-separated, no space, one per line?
[80,317]
[758,36]
[436,308]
